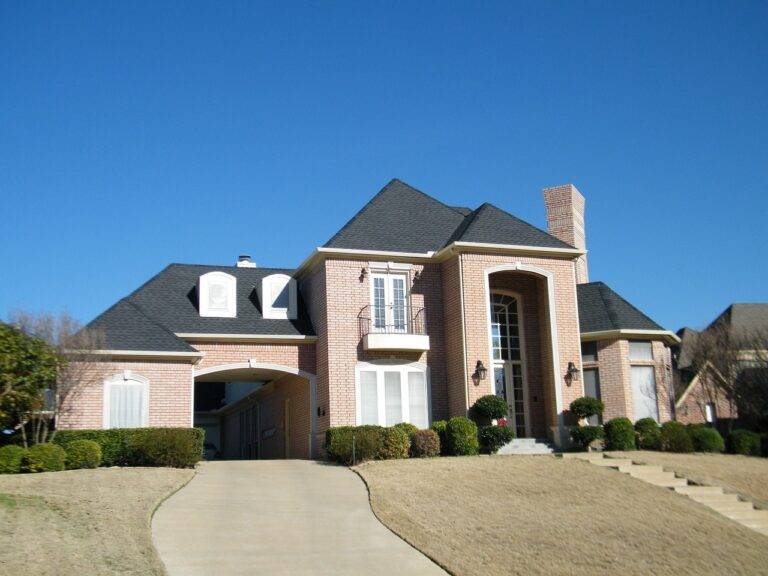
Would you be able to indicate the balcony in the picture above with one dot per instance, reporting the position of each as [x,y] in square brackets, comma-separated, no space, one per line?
[395,328]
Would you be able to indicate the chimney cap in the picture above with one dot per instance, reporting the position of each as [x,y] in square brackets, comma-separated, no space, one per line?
[244,261]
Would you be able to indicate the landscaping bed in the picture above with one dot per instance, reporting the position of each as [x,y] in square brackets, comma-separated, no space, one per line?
[83,521]
[543,515]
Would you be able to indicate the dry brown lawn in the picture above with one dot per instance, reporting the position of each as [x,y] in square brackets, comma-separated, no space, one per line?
[543,515]
[745,475]
[83,522]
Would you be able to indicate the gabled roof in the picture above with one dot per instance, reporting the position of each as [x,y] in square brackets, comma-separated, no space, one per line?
[401,218]
[149,318]
[688,338]
[745,318]
[602,309]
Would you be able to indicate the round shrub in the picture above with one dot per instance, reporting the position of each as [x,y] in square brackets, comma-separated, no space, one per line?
[395,443]
[675,437]
[439,427]
[494,437]
[648,434]
[45,458]
[407,427]
[619,434]
[461,437]
[587,406]
[83,454]
[425,444]
[706,439]
[583,436]
[490,407]
[12,459]
[352,444]
[744,442]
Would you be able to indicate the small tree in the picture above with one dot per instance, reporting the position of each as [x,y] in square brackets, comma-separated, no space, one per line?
[586,407]
[488,408]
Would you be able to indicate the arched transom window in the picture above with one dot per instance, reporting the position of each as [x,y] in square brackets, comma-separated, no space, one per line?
[505,327]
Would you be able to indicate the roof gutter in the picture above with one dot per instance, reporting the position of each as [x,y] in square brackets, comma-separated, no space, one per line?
[139,354]
[666,335]
[257,338]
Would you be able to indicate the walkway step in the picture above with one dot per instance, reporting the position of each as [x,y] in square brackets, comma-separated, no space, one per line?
[715,499]
[611,462]
[670,483]
[699,490]
[634,467]
[583,456]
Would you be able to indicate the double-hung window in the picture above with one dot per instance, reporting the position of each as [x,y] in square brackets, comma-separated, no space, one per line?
[389,302]
[126,401]
[392,393]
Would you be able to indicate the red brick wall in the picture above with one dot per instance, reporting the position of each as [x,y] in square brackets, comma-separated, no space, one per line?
[691,409]
[301,356]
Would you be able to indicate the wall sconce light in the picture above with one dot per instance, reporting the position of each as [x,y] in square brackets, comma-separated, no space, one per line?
[417,275]
[481,372]
[572,374]
[363,274]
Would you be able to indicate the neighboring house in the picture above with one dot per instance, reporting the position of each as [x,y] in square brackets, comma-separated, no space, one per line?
[697,401]
[411,312]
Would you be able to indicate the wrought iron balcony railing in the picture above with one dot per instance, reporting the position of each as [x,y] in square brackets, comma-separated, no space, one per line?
[392,319]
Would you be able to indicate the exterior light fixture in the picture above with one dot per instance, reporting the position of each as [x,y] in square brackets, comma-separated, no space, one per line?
[363,274]
[480,371]
[573,372]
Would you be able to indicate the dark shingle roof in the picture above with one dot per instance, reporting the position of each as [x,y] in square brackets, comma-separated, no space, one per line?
[166,304]
[745,318]
[402,219]
[600,308]
[688,338]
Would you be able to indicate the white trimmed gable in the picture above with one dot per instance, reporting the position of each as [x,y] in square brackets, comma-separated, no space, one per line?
[217,295]
[278,297]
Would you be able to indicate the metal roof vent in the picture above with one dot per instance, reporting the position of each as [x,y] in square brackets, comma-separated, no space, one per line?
[244,261]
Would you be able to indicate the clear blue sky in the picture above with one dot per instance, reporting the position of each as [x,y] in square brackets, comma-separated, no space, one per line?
[132,136]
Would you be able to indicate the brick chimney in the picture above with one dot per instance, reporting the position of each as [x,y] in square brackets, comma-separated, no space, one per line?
[565,220]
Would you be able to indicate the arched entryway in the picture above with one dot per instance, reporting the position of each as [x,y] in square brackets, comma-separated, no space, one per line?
[256,410]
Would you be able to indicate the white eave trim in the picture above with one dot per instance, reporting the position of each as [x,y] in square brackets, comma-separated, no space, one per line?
[259,338]
[512,249]
[165,354]
[666,335]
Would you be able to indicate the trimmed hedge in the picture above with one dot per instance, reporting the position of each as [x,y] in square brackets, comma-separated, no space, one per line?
[439,427]
[45,458]
[492,438]
[12,459]
[177,447]
[675,437]
[425,444]
[619,434]
[365,441]
[587,406]
[648,434]
[461,437]
[706,439]
[488,408]
[395,443]
[407,427]
[583,436]
[83,454]
[744,442]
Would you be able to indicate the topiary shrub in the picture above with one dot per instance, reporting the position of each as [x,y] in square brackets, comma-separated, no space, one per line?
[648,434]
[395,443]
[744,442]
[587,406]
[352,444]
[83,454]
[461,437]
[488,408]
[12,459]
[407,427]
[425,444]
[706,439]
[492,438]
[675,437]
[583,436]
[166,447]
[439,427]
[619,434]
[45,458]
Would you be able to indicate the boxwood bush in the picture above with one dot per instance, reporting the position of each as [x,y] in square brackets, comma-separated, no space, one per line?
[352,444]
[439,427]
[706,439]
[425,444]
[744,442]
[83,454]
[587,406]
[12,459]
[492,438]
[45,458]
[619,434]
[395,443]
[461,437]
[487,408]
[648,434]
[675,437]
[407,427]
[583,436]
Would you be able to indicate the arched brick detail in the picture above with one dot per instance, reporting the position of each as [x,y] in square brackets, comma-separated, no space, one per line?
[299,356]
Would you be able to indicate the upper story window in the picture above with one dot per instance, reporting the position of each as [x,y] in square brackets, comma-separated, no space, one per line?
[389,301]
[640,350]
[218,295]
[278,297]
[505,327]
[589,351]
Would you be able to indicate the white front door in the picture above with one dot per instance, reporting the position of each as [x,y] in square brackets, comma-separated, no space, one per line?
[388,302]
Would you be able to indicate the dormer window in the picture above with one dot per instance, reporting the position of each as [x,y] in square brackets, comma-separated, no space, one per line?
[278,297]
[218,295]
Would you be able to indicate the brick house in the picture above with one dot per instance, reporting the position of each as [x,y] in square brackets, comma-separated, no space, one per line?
[410,312]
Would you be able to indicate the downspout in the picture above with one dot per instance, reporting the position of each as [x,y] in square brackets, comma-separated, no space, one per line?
[463,332]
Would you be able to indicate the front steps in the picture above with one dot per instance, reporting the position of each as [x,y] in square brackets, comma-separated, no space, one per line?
[728,505]
[526,446]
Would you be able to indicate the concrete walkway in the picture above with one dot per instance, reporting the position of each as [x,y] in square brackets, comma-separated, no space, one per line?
[278,517]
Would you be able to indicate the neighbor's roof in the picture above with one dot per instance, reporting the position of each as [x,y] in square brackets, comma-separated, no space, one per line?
[745,318]
[148,318]
[401,218]
[602,309]
[688,338]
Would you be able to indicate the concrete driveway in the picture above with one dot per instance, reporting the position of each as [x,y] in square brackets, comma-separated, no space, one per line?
[278,517]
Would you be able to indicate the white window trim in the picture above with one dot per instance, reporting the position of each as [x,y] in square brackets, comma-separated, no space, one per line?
[204,283]
[122,378]
[270,312]
[380,366]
